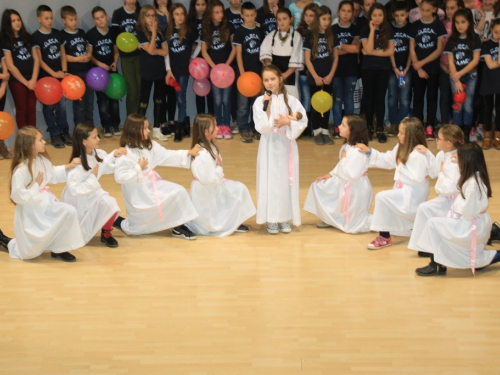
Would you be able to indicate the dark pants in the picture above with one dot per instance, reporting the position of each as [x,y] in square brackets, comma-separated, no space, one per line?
[109,110]
[200,104]
[2,101]
[55,117]
[83,110]
[375,84]
[130,70]
[234,97]
[25,102]
[445,96]
[319,121]
[420,86]
[488,111]
[245,113]
[158,99]
[170,105]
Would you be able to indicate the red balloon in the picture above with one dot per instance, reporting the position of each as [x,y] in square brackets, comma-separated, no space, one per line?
[459,97]
[73,87]
[48,91]
[249,84]
[198,68]
[6,125]
[222,76]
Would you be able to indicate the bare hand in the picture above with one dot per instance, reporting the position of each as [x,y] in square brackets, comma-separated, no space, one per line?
[422,74]
[104,66]
[456,76]
[2,91]
[327,79]
[362,148]
[422,149]
[95,170]
[59,74]
[323,178]
[195,150]
[417,65]
[458,87]
[318,81]
[120,151]
[481,11]
[219,161]
[372,25]
[39,178]
[168,76]
[454,158]
[73,163]
[281,121]
[112,67]
[143,163]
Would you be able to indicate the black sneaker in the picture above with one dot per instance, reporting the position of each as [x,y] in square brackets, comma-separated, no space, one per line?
[183,232]
[116,130]
[423,254]
[246,137]
[107,132]
[108,239]
[256,135]
[327,139]
[336,133]
[118,223]
[66,138]
[65,257]
[382,138]
[318,139]
[242,229]
[4,240]
[56,141]
[432,269]
[370,134]
[495,233]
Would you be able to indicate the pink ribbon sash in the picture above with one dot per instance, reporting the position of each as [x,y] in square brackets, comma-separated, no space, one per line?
[45,189]
[451,213]
[399,185]
[346,200]
[153,177]
[290,155]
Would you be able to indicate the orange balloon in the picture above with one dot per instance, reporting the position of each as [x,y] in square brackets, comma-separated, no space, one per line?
[73,87]
[6,125]
[249,84]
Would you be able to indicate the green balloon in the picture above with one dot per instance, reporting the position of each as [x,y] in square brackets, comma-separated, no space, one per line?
[127,42]
[117,87]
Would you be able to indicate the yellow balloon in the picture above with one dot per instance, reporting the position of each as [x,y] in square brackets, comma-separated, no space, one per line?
[127,42]
[322,102]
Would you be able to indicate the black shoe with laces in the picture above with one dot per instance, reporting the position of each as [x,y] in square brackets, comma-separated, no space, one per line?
[65,257]
[495,233]
[116,130]
[183,232]
[56,141]
[4,240]
[66,138]
[242,229]
[108,239]
[382,138]
[432,269]
[118,223]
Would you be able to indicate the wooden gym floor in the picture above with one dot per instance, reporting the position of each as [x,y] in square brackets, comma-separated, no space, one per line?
[311,302]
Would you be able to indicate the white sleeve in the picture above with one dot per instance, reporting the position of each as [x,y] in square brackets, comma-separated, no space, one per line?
[263,123]
[206,170]
[432,165]
[196,51]
[353,166]
[167,62]
[21,194]
[266,50]
[82,183]
[446,183]
[169,158]
[469,206]
[383,160]
[127,171]
[415,168]
[296,127]
[297,55]
[55,174]
[108,164]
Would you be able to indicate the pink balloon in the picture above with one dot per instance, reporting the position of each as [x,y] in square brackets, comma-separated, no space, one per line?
[198,68]
[222,76]
[201,87]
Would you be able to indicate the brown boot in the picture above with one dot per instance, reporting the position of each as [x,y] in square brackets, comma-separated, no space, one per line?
[4,152]
[486,141]
[496,142]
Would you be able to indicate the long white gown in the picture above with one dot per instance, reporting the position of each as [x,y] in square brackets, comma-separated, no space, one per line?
[450,239]
[344,200]
[83,191]
[446,187]
[152,203]
[41,222]
[395,209]
[278,162]
[223,205]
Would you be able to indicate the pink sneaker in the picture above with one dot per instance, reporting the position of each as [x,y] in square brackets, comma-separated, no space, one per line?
[220,132]
[379,243]
[227,132]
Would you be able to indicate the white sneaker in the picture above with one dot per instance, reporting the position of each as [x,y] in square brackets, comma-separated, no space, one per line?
[285,227]
[272,228]
[323,225]
[158,135]
[472,135]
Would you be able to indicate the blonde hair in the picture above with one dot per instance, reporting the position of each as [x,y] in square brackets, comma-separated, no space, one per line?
[201,123]
[453,134]
[142,25]
[414,136]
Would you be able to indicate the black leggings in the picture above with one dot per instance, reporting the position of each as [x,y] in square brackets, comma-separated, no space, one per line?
[488,111]
[420,86]
[171,104]
[375,84]
[158,98]
[318,121]
[200,103]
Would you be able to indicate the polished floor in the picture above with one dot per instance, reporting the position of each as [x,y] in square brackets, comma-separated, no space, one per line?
[315,301]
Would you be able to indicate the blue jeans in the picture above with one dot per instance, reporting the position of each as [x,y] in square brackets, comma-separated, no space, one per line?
[55,117]
[109,110]
[399,98]
[181,97]
[222,105]
[305,94]
[464,115]
[244,113]
[343,92]
[83,110]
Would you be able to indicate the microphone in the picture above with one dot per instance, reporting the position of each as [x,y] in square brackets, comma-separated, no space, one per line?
[266,102]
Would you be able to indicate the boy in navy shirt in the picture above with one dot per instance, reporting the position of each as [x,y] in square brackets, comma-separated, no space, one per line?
[101,45]
[78,57]
[49,45]
[247,40]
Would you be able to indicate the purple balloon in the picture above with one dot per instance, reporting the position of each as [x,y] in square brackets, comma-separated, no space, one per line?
[201,87]
[222,76]
[97,79]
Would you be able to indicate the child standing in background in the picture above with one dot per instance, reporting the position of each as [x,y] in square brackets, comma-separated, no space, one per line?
[266,15]
[4,77]
[483,15]
[297,7]
[415,14]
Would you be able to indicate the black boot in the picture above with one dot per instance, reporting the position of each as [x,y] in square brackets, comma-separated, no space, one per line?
[466,129]
[108,239]
[66,138]
[4,240]
[65,257]
[431,269]
[179,129]
[118,223]
[495,233]
[187,127]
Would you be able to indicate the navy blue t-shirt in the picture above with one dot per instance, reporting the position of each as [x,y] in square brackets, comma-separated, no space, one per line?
[250,41]
[234,20]
[180,52]
[75,45]
[462,54]
[218,51]
[22,58]
[322,61]
[375,62]
[401,44]
[102,44]
[426,37]
[267,22]
[125,22]
[348,63]
[50,48]
[490,77]
[152,67]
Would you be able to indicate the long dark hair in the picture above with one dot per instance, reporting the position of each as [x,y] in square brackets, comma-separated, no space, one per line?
[183,29]
[455,35]
[7,34]
[303,27]
[414,136]
[265,6]
[80,133]
[384,28]
[471,163]
[192,16]
[323,10]
[201,123]
[358,130]
[132,133]
[208,25]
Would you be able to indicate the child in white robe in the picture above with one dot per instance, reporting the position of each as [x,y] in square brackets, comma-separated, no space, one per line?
[152,203]
[457,240]
[278,156]
[395,209]
[222,204]
[342,198]
[96,209]
[283,49]
[445,168]
[41,221]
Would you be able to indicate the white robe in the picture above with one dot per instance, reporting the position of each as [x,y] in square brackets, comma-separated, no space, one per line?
[41,222]
[267,50]
[94,206]
[349,183]
[151,209]
[223,205]
[277,200]
[395,209]
[446,187]
[449,239]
